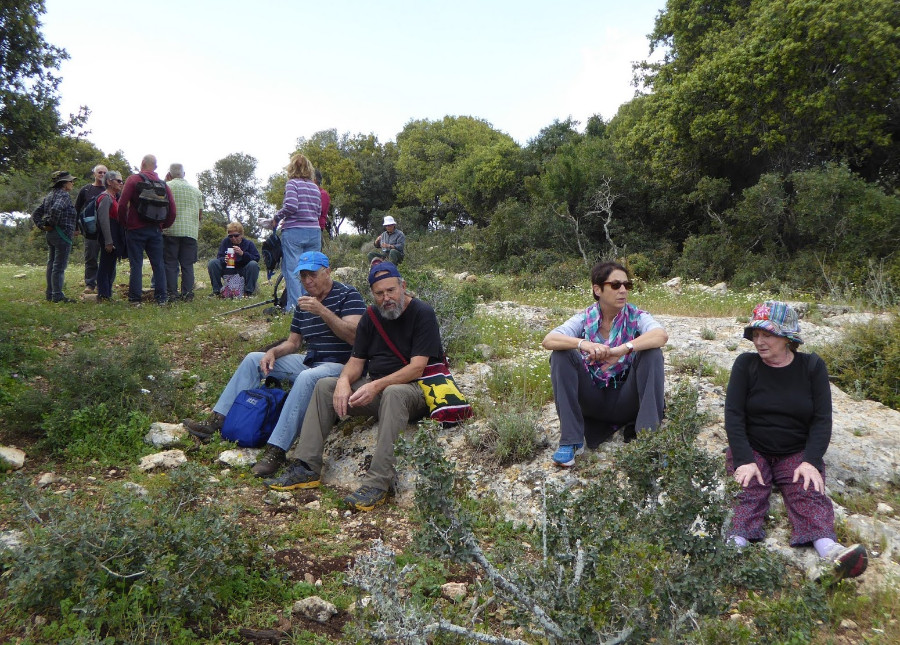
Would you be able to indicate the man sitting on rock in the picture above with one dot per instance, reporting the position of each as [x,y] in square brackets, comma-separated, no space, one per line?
[326,320]
[389,390]
[390,245]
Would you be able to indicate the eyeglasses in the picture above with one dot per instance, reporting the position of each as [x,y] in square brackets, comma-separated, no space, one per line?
[235,234]
[118,180]
[618,284]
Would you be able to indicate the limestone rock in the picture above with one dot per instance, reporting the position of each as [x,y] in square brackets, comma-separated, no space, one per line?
[162,435]
[137,489]
[48,479]
[240,456]
[11,540]
[315,609]
[11,457]
[165,460]
[453,590]
[674,284]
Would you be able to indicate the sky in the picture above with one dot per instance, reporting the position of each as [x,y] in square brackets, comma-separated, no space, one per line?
[193,82]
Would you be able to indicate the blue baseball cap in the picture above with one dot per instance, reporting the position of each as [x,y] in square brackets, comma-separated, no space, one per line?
[385,269]
[311,261]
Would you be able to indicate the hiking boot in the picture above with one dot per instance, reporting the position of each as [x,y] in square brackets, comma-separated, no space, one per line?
[296,475]
[850,562]
[206,429]
[565,455]
[366,498]
[629,434]
[269,463]
[90,290]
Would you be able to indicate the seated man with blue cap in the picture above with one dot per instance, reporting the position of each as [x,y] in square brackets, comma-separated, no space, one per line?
[396,339]
[326,320]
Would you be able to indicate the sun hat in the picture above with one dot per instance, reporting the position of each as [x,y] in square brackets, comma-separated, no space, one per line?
[777,318]
[311,261]
[60,176]
[387,269]
[388,220]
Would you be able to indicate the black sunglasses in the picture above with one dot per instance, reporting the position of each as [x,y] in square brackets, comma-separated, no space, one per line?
[617,284]
[235,234]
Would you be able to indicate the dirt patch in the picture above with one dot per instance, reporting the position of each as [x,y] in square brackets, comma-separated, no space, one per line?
[299,564]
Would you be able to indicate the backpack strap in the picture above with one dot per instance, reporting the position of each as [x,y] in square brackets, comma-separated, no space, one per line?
[374,318]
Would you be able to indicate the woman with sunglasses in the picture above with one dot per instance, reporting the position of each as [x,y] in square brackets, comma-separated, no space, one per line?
[112,237]
[246,260]
[606,367]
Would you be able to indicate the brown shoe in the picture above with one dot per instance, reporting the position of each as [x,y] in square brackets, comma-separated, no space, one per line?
[206,429]
[269,462]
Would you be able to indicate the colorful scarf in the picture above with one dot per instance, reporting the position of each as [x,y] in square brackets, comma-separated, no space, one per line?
[624,328]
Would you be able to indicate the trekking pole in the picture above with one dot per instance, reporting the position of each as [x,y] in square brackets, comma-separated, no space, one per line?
[275,300]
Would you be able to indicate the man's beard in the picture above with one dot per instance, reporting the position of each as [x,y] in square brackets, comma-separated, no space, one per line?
[394,312]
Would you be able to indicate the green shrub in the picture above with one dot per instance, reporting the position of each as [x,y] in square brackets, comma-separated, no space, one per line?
[130,566]
[522,384]
[453,306]
[867,360]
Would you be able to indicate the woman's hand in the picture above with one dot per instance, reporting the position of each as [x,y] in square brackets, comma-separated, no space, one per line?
[744,475]
[810,475]
[595,352]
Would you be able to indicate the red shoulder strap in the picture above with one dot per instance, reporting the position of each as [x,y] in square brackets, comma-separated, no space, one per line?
[374,318]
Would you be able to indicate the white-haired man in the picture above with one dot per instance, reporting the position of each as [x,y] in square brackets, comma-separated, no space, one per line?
[180,239]
[87,193]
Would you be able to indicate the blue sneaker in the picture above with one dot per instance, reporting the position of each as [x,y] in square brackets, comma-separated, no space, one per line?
[565,455]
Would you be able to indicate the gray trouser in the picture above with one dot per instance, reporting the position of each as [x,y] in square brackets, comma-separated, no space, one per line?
[589,412]
[395,407]
[179,252]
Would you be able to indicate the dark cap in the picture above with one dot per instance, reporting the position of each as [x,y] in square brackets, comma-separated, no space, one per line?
[383,270]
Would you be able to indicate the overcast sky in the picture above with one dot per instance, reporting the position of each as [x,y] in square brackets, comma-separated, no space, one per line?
[195,81]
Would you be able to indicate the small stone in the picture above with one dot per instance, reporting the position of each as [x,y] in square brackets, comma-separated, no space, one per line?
[735,617]
[168,459]
[313,505]
[849,624]
[164,434]
[48,479]
[137,489]
[453,590]
[309,578]
[245,336]
[315,609]
[19,276]
[884,509]
[240,456]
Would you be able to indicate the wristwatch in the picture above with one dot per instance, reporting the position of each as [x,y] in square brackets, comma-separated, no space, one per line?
[630,347]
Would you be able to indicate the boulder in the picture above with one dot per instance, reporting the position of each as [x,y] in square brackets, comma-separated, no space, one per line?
[12,458]
[453,590]
[165,434]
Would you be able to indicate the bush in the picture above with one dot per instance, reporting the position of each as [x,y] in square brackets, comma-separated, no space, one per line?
[507,437]
[129,566]
[636,555]
[452,306]
[867,360]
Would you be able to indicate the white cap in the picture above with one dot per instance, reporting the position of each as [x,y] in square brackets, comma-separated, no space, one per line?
[389,220]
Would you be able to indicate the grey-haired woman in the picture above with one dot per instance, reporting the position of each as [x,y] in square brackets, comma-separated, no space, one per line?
[112,237]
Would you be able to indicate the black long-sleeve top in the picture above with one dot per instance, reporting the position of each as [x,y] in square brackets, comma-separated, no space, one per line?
[778,410]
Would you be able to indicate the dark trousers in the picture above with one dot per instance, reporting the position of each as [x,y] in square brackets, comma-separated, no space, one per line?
[179,252]
[139,240]
[587,412]
[106,272]
[91,264]
[810,512]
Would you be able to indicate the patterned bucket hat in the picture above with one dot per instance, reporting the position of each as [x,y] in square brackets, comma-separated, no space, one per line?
[777,318]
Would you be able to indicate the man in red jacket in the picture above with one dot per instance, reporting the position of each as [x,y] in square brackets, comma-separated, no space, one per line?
[143,235]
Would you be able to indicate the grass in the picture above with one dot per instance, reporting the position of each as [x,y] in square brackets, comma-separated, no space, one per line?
[37,336]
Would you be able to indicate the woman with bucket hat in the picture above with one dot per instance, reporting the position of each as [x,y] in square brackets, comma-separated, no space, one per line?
[778,421]
[56,216]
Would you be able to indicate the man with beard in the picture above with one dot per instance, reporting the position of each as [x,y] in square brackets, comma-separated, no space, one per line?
[389,390]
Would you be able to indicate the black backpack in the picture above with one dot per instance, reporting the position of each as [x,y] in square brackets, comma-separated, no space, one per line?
[153,200]
[271,252]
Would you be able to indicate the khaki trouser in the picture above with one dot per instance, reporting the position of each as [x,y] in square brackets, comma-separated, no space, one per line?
[395,407]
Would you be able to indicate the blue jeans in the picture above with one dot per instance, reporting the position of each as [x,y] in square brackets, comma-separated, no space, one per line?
[291,367]
[295,242]
[149,239]
[57,261]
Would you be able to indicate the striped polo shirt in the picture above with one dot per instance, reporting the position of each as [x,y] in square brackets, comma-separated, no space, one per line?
[322,345]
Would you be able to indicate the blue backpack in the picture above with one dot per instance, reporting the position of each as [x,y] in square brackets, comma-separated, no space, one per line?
[253,415]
